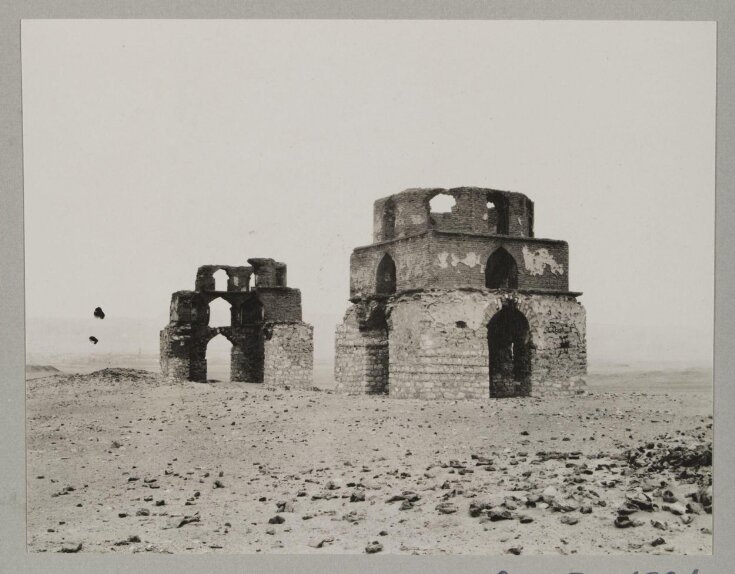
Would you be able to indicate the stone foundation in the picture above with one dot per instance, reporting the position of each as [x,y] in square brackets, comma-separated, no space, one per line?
[248,355]
[361,357]
[438,347]
[288,355]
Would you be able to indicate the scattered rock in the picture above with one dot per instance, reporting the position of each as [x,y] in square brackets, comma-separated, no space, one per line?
[373,547]
[549,493]
[321,542]
[516,550]
[639,500]
[446,508]
[497,515]
[626,522]
[677,508]
[284,506]
[477,508]
[187,520]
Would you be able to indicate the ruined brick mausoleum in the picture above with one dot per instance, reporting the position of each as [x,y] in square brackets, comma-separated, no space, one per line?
[460,302]
[270,342]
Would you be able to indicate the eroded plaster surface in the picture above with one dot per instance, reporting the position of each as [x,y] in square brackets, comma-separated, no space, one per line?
[446,259]
[536,261]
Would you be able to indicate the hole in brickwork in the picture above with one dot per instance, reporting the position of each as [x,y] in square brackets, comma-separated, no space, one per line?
[492,217]
[501,271]
[219,351]
[461,324]
[385,283]
[442,203]
[220,314]
[220,280]
[497,214]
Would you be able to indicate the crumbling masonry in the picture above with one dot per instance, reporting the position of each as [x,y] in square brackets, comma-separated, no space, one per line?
[270,343]
[461,302]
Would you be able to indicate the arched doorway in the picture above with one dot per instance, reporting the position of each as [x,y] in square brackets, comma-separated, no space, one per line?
[501,271]
[219,352]
[385,281]
[509,350]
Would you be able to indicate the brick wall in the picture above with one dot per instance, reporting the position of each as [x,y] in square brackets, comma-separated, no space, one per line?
[280,303]
[410,212]
[451,260]
[174,357]
[438,345]
[247,355]
[238,277]
[459,261]
[183,351]
[361,357]
[288,355]
[411,256]
[438,349]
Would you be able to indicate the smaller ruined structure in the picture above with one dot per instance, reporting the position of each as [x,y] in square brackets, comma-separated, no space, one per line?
[270,342]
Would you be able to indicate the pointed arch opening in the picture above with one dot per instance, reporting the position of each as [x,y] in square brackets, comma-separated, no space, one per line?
[501,271]
[219,353]
[220,313]
[385,283]
[509,350]
[220,280]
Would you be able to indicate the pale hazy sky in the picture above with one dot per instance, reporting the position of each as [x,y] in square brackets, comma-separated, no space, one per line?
[154,147]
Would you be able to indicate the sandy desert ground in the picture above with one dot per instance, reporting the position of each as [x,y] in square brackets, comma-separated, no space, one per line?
[119,461]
